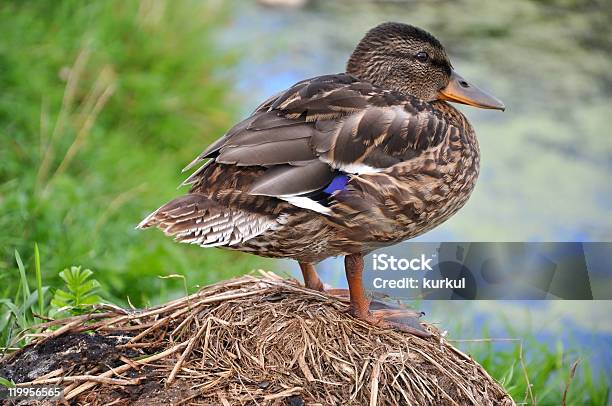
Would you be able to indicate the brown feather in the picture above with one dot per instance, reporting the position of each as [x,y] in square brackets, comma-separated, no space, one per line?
[293,180]
[269,153]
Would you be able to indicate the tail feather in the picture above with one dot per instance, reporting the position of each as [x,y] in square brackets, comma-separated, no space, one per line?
[195,219]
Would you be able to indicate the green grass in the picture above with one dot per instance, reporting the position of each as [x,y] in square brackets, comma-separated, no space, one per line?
[28,307]
[17,311]
[533,373]
[102,104]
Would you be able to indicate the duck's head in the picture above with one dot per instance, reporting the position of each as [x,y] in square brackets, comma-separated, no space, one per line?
[409,60]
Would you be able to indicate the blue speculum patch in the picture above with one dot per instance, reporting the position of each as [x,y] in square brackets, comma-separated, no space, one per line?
[338,183]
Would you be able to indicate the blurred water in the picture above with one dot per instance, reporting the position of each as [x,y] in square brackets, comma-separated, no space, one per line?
[546,161]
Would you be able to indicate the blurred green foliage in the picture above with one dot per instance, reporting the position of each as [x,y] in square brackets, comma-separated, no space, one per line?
[101,105]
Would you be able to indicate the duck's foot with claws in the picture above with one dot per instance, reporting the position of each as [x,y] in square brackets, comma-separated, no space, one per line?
[375,313]
[405,320]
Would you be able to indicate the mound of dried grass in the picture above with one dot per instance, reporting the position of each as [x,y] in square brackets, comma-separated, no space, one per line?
[249,341]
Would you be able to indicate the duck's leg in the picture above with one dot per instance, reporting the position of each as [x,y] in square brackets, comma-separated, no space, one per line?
[312,281]
[353,265]
[311,278]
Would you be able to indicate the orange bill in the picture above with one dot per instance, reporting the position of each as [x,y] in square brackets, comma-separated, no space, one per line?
[461,91]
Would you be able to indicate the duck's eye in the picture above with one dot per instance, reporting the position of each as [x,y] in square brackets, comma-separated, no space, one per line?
[422,57]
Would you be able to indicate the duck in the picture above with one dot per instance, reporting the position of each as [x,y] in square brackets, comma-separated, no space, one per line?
[340,165]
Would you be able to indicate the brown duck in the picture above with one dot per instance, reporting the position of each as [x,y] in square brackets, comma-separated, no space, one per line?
[340,164]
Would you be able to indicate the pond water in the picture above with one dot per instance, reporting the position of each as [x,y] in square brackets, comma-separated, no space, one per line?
[546,162]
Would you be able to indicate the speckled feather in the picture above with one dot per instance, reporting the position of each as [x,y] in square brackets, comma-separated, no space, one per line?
[411,164]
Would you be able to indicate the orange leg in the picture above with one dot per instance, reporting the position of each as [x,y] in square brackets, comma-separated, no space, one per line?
[353,265]
[311,278]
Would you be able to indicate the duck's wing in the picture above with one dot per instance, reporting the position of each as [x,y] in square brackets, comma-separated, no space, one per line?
[318,130]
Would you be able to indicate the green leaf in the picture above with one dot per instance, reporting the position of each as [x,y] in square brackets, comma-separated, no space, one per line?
[34,296]
[80,290]
[25,289]
[4,320]
[17,312]
[6,382]
[39,287]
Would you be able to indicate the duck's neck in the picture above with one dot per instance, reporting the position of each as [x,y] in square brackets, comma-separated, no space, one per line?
[454,116]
